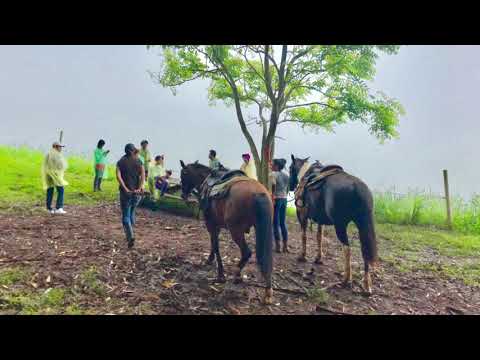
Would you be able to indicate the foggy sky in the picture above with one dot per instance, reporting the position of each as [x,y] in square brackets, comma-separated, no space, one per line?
[94,92]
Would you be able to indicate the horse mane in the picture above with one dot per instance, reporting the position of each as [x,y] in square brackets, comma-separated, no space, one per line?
[199,166]
[303,170]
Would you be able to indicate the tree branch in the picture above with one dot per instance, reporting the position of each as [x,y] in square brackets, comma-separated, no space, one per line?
[308,104]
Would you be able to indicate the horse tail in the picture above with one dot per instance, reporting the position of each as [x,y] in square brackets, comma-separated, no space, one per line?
[263,233]
[368,240]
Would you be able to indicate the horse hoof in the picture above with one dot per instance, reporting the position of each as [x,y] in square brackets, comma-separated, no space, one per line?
[237,280]
[302,259]
[318,261]
[285,250]
[220,280]
[268,299]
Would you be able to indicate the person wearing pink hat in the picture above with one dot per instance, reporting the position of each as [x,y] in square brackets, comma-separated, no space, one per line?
[248,167]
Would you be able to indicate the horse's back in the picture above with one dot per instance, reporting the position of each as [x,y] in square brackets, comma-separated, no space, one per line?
[238,208]
[341,198]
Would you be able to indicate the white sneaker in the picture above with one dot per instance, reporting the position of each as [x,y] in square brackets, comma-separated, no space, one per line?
[60,211]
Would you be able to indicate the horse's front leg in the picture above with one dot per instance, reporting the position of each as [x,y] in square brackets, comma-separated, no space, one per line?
[319,257]
[303,220]
[214,232]
[211,257]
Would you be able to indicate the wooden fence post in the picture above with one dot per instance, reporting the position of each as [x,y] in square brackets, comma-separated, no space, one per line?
[447,199]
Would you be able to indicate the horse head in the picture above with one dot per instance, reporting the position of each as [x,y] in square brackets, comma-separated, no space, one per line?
[295,167]
[191,177]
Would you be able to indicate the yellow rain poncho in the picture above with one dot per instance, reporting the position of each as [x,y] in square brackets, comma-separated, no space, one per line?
[155,171]
[53,169]
[249,169]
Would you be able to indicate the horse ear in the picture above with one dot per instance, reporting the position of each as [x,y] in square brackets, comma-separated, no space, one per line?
[196,162]
[183,164]
[293,158]
[306,159]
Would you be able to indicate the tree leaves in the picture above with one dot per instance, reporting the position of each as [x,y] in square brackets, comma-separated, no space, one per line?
[317,86]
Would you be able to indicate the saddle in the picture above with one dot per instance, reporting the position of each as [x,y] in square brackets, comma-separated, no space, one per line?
[313,179]
[217,185]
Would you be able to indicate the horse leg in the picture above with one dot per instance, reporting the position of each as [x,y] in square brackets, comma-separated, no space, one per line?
[303,255]
[212,229]
[239,237]
[367,281]
[216,249]
[342,235]
[211,257]
[318,259]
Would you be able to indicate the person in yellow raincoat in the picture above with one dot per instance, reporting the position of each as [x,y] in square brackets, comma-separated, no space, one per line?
[53,171]
[248,167]
[156,171]
[145,157]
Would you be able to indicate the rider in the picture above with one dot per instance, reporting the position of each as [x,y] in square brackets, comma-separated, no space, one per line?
[248,167]
[280,182]
[214,163]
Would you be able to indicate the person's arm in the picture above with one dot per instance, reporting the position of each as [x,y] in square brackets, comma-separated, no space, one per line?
[120,181]
[142,181]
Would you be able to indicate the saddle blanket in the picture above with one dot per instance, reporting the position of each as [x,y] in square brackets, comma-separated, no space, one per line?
[221,189]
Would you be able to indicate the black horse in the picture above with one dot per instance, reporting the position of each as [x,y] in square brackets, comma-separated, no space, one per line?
[340,199]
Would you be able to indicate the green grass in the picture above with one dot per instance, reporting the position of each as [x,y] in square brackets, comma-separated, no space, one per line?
[21,183]
[447,253]
[421,208]
[91,283]
[12,276]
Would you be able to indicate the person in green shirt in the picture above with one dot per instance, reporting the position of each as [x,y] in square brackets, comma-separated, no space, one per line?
[100,160]
[145,157]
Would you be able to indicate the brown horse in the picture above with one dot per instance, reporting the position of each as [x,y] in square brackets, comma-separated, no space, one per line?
[247,204]
[341,199]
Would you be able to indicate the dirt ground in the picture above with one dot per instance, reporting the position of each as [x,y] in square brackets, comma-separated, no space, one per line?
[166,272]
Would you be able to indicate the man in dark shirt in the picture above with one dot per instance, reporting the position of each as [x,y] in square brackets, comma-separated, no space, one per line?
[131,177]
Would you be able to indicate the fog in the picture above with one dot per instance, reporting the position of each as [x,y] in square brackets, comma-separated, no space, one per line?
[94,92]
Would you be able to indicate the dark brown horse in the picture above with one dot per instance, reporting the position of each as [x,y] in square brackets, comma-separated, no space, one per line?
[247,204]
[340,199]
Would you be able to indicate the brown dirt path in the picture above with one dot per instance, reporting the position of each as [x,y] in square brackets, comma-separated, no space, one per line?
[166,273]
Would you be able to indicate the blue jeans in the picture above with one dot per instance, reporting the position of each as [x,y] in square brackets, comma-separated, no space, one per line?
[162,186]
[128,204]
[60,194]
[279,216]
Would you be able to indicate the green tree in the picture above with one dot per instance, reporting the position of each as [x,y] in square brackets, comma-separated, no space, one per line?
[317,86]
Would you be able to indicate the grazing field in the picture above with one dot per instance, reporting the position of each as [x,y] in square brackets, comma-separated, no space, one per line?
[422,208]
[79,264]
[21,183]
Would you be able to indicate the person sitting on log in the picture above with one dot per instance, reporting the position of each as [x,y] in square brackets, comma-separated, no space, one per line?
[156,171]
[162,182]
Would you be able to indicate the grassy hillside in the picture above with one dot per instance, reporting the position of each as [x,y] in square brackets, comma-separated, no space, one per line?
[21,183]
